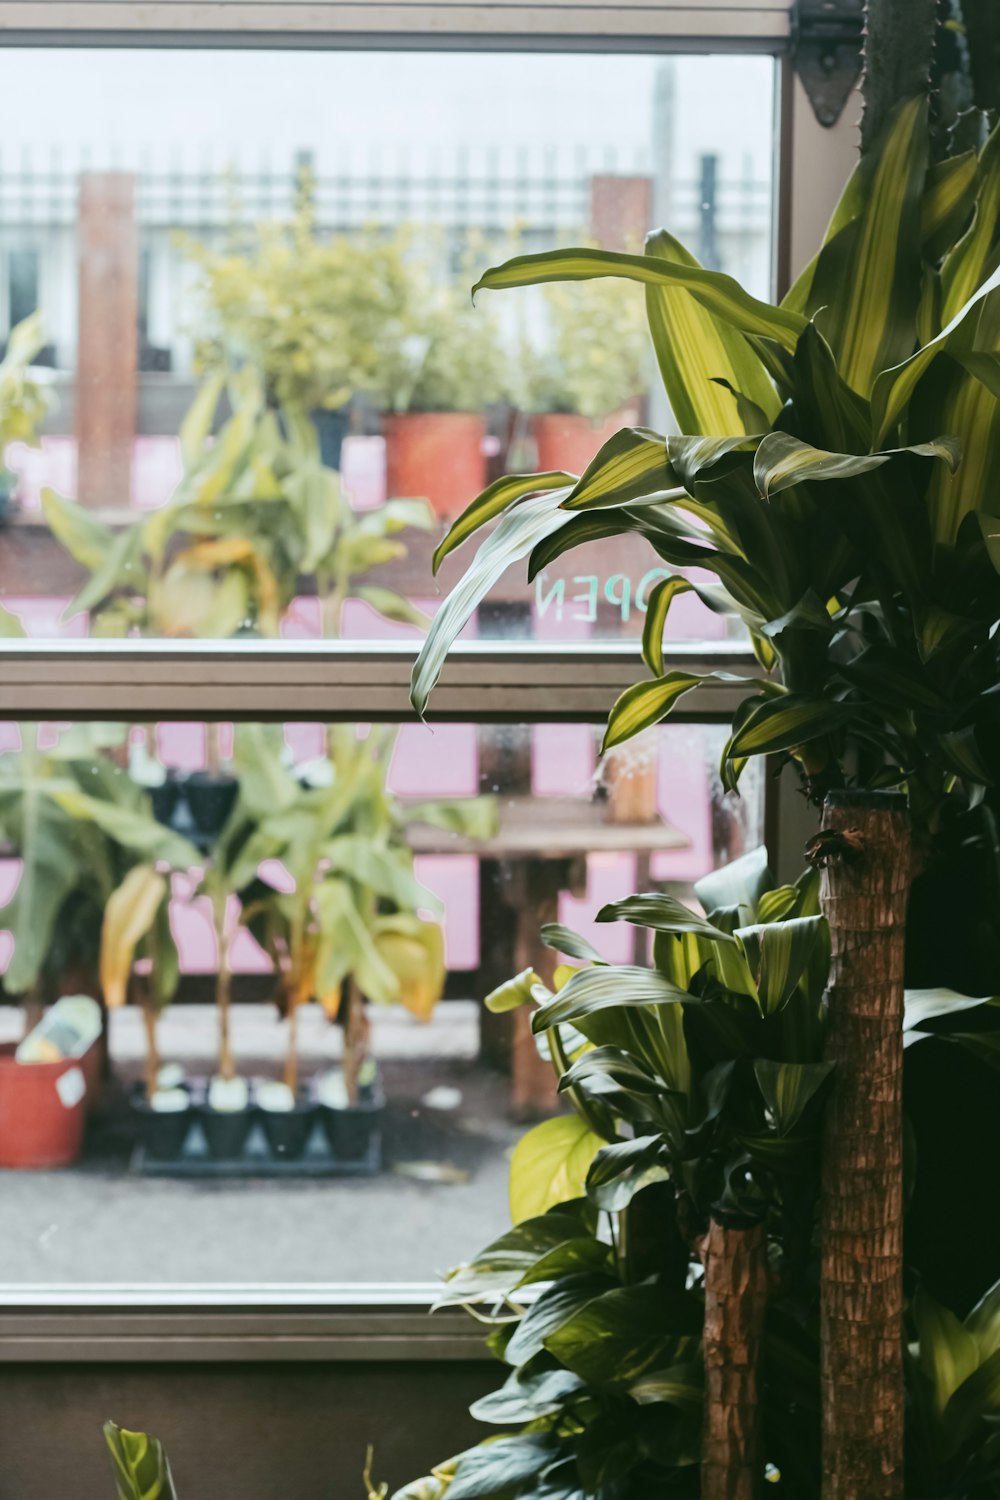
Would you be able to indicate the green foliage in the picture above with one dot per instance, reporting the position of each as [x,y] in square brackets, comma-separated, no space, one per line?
[589,353]
[23,402]
[835,473]
[141,1468]
[313,314]
[81,826]
[255,510]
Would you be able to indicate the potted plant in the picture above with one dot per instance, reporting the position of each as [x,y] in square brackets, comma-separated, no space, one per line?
[435,383]
[23,402]
[342,926]
[833,471]
[256,512]
[88,841]
[308,311]
[581,371]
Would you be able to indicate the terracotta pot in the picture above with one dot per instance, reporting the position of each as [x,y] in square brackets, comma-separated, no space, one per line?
[566,441]
[437,456]
[42,1109]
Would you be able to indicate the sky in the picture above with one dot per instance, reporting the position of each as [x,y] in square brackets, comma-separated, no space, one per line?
[242,106]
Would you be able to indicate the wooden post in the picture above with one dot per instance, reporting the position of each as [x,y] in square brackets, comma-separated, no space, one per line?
[735,1261]
[864,851]
[106,384]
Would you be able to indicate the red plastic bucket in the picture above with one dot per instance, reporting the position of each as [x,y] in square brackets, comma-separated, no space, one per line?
[43,1107]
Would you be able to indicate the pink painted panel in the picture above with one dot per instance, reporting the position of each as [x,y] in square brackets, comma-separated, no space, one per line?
[684,797]
[157,468]
[435,760]
[454,879]
[42,616]
[52,466]
[563,759]
[362,470]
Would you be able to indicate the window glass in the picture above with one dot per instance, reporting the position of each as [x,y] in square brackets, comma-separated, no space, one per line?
[333,1092]
[242,283]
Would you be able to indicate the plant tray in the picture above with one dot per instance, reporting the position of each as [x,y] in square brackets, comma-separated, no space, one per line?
[257,1160]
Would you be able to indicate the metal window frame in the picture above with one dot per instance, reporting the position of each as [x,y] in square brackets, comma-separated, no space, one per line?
[492,682]
[683,25]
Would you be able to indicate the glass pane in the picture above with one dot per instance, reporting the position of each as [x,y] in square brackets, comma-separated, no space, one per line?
[315,256]
[332,1102]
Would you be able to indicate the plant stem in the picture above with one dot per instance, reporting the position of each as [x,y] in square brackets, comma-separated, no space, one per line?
[213,753]
[292,1054]
[735,1260]
[356,1035]
[864,892]
[149,1020]
[227,1063]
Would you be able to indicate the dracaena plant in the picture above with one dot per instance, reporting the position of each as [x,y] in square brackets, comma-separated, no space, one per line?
[696,1086]
[835,471]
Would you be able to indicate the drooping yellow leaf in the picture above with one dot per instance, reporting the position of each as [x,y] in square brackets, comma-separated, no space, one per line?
[128,917]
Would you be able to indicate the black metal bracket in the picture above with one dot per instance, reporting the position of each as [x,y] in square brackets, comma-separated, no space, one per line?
[826,52]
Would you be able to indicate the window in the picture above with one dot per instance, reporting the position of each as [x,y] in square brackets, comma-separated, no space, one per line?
[153,599]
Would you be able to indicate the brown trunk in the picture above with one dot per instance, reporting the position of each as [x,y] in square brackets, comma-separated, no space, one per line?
[864,849]
[356,1031]
[735,1262]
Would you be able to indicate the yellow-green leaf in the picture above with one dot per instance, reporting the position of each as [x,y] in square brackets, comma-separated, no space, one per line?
[716,291]
[493,502]
[661,597]
[549,1166]
[140,1464]
[128,916]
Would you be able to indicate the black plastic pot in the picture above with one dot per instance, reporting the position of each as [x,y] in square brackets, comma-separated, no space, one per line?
[211,800]
[164,801]
[331,430]
[226,1130]
[288,1131]
[163,1133]
[354,1133]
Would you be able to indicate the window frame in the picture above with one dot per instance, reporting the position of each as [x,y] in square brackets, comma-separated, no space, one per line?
[485,681]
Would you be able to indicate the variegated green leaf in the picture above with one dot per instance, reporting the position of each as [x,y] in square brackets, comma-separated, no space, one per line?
[872,321]
[894,387]
[681,1385]
[515,992]
[778,954]
[663,913]
[782,461]
[140,1464]
[629,465]
[702,358]
[645,704]
[740,883]
[516,533]
[599,988]
[493,502]
[949,198]
[563,940]
[716,291]
[660,599]
[785,723]
[788,1087]
[973,257]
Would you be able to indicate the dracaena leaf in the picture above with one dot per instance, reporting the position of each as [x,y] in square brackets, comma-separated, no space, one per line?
[788,1087]
[785,723]
[494,500]
[716,291]
[702,358]
[140,1465]
[966,265]
[663,913]
[870,320]
[782,461]
[564,940]
[549,1165]
[600,988]
[629,465]
[660,599]
[522,990]
[516,534]
[645,704]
